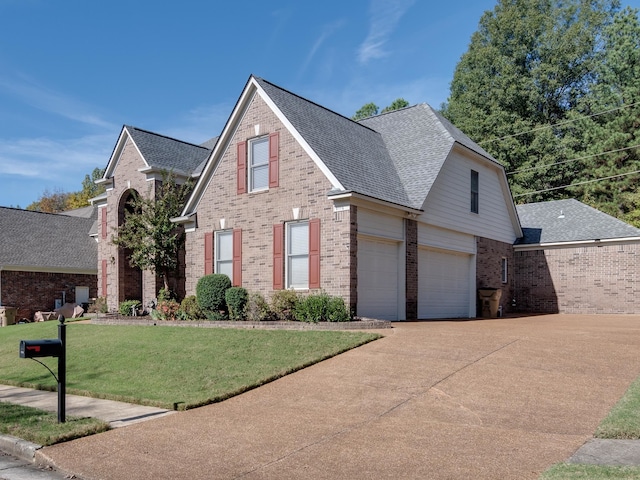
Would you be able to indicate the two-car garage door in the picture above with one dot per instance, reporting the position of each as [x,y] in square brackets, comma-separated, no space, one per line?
[444,284]
[444,281]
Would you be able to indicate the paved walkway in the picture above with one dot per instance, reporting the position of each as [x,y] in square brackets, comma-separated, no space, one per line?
[486,399]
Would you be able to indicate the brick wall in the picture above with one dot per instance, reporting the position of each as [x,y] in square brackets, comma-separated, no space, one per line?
[411,235]
[32,292]
[489,270]
[301,185]
[584,280]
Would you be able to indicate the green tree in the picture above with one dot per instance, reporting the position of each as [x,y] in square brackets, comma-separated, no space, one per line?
[368,110]
[617,93]
[50,202]
[89,190]
[147,231]
[528,66]
[397,104]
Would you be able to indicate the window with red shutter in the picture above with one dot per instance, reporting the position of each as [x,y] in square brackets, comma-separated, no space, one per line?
[278,256]
[208,253]
[237,257]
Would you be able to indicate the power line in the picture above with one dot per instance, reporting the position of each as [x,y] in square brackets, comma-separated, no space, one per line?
[572,160]
[576,184]
[559,123]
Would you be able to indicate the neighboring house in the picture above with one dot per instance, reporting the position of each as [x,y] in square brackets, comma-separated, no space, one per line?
[401,214]
[576,259]
[46,257]
[137,165]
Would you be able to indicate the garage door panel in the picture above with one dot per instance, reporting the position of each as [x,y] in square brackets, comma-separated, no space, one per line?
[378,279]
[443,284]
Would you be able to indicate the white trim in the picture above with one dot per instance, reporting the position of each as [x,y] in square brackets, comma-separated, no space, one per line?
[359,196]
[288,255]
[580,243]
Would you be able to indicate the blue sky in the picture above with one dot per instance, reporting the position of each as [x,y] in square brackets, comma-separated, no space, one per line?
[72,72]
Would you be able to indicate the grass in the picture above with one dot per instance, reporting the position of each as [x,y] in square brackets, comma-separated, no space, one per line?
[167,367]
[622,422]
[42,427]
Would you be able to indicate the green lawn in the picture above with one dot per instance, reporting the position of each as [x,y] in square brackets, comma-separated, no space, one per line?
[42,427]
[169,367]
[622,422]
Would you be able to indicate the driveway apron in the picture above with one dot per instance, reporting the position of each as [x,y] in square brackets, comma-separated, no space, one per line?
[484,399]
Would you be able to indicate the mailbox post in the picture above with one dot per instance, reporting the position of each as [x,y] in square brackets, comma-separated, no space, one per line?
[51,347]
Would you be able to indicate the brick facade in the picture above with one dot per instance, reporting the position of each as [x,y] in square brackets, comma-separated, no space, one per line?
[489,257]
[301,185]
[411,284]
[32,292]
[587,280]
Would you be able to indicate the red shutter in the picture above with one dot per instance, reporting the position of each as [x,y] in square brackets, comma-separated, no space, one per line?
[274,174]
[242,168]
[208,253]
[314,253]
[103,278]
[237,257]
[104,222]
[278,256]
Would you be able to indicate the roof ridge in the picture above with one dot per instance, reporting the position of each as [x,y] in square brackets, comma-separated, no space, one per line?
[166,136]
[312,102]
[57,214]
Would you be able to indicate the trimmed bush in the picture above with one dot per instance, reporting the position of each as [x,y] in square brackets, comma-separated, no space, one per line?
[189,309]
[126,308]
[165,310]
[236,298]
[283,304]
[210,291]
[257,308]
[337,311]
[312,309]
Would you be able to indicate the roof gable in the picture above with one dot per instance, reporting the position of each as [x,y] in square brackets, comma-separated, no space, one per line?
[39,241]
[159,152]
[569,221]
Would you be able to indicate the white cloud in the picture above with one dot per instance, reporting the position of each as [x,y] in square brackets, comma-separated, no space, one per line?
[47,100]
[327,31]
[384,17]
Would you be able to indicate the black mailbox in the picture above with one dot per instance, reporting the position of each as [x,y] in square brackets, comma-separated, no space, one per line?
[46,347]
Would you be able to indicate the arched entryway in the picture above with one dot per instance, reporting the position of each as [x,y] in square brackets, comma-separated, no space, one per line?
[129,278]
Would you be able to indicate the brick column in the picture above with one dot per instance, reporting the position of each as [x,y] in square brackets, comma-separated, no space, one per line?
[411,242]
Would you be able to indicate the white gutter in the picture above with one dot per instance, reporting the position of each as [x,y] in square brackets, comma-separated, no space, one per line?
[581,243]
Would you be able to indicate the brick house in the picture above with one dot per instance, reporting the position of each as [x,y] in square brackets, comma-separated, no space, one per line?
[400,214]
[46,258]
[576,259]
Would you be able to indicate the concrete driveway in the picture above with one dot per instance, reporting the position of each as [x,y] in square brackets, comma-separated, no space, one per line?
[481,399]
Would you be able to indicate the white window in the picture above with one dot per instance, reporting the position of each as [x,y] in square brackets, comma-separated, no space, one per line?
[224,253]
[503,270]
[298,255]
[259,164]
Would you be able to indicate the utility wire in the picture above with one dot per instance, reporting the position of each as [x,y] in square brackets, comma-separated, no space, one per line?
[572,160]
[559,123]
[579,183]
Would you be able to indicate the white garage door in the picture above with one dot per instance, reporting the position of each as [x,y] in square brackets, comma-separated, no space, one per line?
[378,279]
[443,284]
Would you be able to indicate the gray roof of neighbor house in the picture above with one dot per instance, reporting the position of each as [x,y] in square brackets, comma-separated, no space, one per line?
[167,153]
[569,221]
[394,157]
[48,242]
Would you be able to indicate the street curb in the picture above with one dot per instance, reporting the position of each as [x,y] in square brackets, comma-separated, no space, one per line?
[19,448]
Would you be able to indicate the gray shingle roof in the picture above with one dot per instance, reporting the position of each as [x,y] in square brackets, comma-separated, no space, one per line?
[46,240]
[394,157]
[569,221]
[168,153]
[354,153]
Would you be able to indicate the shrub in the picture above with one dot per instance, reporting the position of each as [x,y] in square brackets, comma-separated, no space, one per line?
[283,304]
[236,298]
[189,309]
[257,308]
[125,308]
[337,311]
[313,308]
[210,291]
[166,310]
